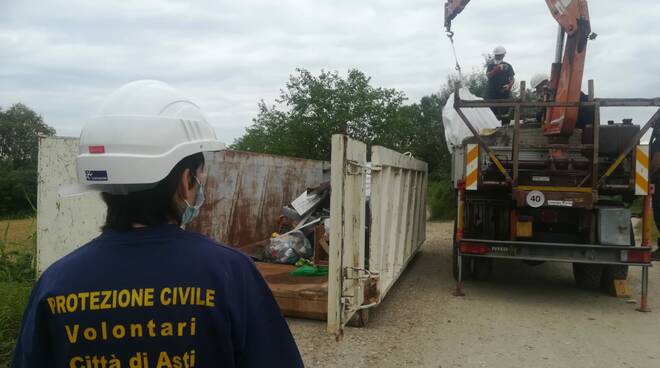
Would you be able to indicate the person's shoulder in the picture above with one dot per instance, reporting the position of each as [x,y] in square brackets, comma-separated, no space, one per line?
[71,261]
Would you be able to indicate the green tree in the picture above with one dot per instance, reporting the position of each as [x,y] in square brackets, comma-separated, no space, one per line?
[313,108]
[20,128]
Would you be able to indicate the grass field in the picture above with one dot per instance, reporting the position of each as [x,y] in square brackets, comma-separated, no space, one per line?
[17,249]
[13,298]
[17,233]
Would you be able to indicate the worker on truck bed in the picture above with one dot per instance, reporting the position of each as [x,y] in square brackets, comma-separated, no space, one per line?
[146,293]
[500,82]
[540,84]
[655,179]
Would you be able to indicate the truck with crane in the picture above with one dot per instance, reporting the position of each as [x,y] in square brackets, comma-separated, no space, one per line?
[548,191]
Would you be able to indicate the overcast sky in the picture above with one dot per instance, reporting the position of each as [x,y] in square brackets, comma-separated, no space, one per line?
[61,57]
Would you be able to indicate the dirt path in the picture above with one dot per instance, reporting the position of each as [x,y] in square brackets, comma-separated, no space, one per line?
[525,317]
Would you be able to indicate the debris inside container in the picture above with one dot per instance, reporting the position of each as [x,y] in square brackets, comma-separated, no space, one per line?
[288,248]
[301,234]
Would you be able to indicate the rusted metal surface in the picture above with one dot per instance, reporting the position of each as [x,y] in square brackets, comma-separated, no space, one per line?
[245,193]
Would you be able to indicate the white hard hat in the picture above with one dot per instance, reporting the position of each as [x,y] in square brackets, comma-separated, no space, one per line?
[538,79]
[499,50]
[142,131]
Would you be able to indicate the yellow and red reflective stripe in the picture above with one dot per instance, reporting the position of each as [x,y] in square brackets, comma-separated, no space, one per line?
[472,167]
[642,170]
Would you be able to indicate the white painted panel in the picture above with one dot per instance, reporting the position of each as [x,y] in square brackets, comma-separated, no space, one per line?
[398,214]
[63,223]
[347,233]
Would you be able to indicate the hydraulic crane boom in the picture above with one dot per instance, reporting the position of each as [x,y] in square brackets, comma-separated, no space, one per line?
[568,66]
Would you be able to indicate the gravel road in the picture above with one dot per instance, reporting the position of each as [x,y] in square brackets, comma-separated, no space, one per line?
[527,316]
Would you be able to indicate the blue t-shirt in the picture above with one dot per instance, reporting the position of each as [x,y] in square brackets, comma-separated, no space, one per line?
[151,298]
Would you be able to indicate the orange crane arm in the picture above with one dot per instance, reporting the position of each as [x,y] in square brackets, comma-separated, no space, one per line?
[567,71]
[568,66]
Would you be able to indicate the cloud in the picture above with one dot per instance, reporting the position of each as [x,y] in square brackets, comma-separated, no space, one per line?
[62,57]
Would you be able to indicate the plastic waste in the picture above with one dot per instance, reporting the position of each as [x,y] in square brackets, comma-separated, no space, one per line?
[288,248]
[307,268]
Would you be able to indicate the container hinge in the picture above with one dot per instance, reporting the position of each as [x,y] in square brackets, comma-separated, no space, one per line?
[356,168]
[356,273]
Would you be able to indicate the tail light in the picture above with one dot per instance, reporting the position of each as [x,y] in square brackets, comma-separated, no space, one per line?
[472,248]
[96,149]
[636,256]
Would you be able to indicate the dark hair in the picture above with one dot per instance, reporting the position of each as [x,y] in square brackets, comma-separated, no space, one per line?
[153,206]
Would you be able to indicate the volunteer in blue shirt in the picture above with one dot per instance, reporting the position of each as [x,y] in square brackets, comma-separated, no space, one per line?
[146,293]
[500,76]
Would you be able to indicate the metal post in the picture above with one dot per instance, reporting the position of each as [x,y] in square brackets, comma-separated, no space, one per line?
[596,147]
[647,222]
[647,217]
[559,48]
[460,214]
[644,302]
[516,133]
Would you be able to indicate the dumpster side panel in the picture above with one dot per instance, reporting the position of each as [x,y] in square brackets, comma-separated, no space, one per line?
[245,193]
[63,223]
[398,214]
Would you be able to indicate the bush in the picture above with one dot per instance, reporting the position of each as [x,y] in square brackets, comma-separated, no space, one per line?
[18,190]
[442,199]
[13,299]
[17,265]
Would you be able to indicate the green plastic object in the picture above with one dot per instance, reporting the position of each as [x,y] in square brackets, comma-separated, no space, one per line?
[310,270]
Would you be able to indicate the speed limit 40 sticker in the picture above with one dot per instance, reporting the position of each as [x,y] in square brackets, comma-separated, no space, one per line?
[535,199]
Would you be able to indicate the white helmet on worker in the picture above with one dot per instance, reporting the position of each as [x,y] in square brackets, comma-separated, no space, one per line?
[538,79]
[499,50]
[142,131]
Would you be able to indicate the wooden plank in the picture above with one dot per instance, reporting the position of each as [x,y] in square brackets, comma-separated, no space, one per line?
[297,296]
[621,289]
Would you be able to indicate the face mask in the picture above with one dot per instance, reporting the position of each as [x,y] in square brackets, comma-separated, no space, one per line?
[192,211]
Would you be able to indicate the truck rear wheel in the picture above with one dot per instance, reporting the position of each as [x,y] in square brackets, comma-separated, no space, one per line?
[483,269]
[611,273]
[588,276]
